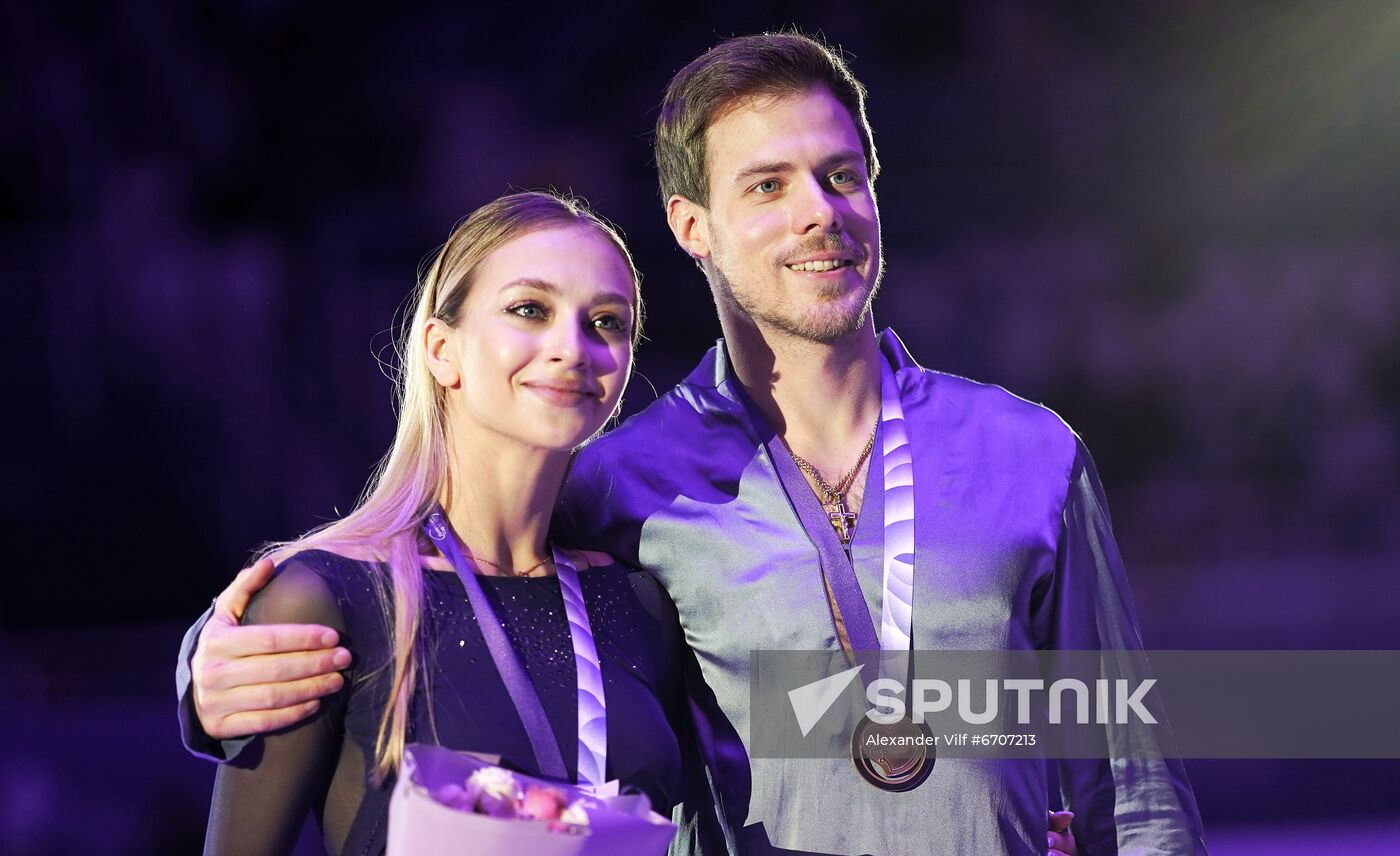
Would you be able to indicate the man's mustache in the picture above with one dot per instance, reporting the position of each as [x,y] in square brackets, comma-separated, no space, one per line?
[837,243]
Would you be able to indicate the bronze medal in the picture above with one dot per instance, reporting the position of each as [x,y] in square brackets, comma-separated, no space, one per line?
[894,757]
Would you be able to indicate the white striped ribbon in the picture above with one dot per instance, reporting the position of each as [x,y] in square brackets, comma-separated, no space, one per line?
[592,705]
[897,610]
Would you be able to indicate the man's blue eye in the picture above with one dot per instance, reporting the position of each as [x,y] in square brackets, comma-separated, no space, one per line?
[769,186]
[843,176]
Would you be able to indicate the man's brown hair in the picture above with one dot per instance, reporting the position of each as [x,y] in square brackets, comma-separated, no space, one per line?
[738,70]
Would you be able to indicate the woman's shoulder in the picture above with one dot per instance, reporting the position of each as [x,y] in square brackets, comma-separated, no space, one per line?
[339,560]
[609,577]
[601,570]
[310,587]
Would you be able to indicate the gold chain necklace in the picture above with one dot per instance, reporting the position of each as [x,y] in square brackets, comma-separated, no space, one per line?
[524,573]
[842,518]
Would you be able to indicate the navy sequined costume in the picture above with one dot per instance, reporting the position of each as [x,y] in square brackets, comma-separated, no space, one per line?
[261,798]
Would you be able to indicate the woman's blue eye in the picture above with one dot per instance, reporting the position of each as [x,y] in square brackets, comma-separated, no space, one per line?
[527,310]
[612,323]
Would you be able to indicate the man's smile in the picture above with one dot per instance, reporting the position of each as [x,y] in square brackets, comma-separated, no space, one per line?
[820,265]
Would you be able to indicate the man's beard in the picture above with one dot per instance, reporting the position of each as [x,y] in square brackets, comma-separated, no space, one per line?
[821,323]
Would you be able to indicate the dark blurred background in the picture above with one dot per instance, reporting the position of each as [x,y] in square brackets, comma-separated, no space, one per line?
[1173,222]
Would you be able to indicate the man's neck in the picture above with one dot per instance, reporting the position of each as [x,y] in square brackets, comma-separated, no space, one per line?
[822,398]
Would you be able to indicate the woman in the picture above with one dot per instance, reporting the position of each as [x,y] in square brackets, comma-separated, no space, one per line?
[518,351]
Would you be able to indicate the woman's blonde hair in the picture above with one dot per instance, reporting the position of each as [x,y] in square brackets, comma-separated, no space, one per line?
[384,526]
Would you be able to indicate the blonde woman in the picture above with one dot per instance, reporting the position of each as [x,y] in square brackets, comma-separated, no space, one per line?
[518,351]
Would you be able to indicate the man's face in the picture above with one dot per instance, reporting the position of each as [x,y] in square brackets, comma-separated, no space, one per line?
[793,231]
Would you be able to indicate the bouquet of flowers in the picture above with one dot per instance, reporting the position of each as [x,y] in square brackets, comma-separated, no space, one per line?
[449,803]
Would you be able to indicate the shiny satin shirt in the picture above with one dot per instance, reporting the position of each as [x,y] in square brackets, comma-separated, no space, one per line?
[1013,551]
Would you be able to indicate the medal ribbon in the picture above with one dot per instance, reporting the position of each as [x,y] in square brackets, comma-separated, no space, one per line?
[896,622]
[897,605]
[592,706]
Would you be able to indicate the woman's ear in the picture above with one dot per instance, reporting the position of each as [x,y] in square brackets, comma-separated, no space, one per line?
[437,336]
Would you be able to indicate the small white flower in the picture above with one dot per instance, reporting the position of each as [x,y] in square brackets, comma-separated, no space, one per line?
[493,782]
[575,814]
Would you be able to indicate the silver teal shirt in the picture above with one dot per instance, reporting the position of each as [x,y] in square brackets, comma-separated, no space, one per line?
[1013,551]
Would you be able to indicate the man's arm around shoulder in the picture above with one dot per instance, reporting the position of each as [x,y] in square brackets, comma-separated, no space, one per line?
[234,681]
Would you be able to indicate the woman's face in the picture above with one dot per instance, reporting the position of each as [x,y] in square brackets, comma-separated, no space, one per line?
[543,346]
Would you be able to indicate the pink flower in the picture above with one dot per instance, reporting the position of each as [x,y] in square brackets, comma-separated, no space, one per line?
[494,792]
[543,803]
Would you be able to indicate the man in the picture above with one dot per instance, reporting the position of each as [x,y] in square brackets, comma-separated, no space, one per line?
[766,489]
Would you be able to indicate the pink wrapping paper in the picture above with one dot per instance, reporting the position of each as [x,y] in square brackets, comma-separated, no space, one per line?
[421,826]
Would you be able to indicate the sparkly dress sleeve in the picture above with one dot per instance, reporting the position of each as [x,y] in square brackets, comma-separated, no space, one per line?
[263,795]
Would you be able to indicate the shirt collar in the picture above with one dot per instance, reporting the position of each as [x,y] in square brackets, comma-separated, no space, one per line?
[715,371]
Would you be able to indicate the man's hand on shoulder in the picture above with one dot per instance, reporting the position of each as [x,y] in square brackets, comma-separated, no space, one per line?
[258,678]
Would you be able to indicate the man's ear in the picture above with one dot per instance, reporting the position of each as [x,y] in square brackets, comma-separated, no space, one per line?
[441,361]
[689,222]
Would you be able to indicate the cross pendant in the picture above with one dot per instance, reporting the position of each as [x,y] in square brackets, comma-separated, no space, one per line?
[842,518]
